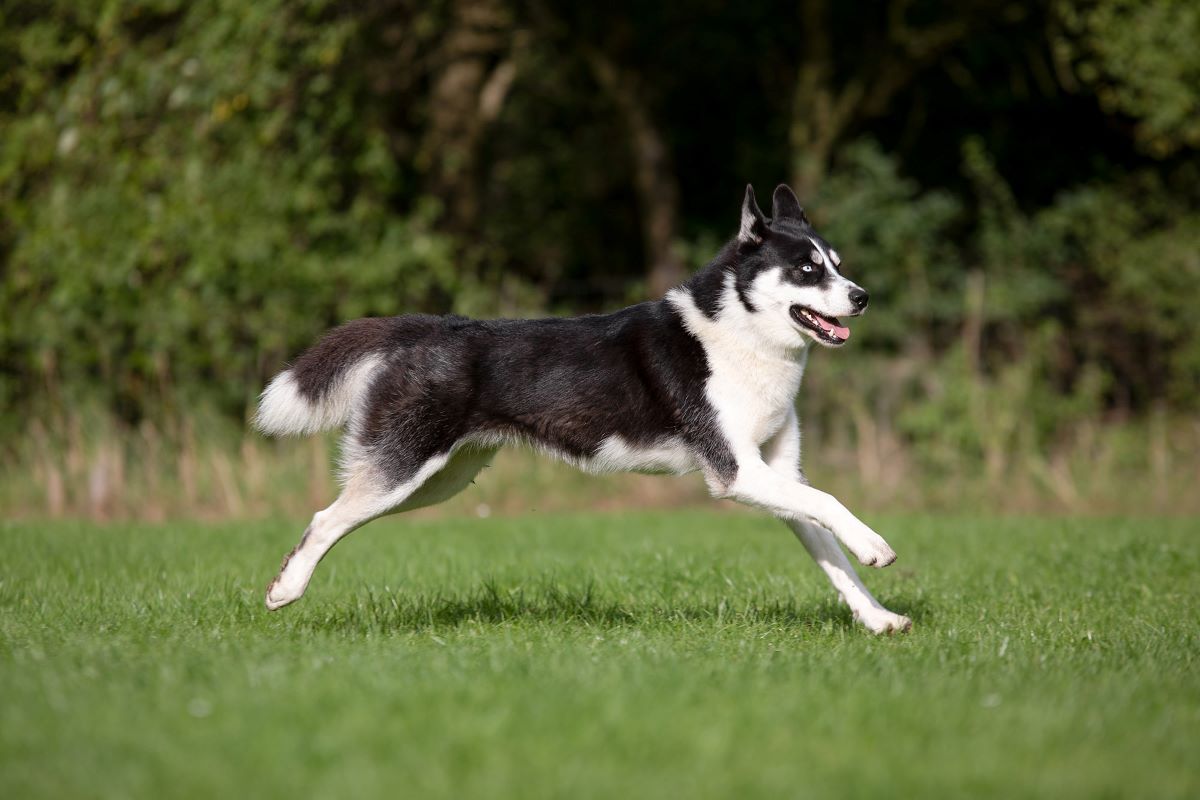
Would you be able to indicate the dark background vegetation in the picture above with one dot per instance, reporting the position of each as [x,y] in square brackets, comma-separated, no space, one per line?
[190,192]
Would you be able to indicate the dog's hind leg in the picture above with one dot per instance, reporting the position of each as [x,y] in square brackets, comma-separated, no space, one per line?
[361,501]
[782,454]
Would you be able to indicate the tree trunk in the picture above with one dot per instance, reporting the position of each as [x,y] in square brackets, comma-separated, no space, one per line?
[654,176]
[824,112]
[475,71]
[808,134]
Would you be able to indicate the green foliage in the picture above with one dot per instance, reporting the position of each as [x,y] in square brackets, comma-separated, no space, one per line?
[1134,257]
[196,197]
[1113,265]
[995,353]
[191,191]
[1000,418]
[1141,57]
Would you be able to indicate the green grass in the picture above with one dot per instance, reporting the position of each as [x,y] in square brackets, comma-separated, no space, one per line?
[652,655]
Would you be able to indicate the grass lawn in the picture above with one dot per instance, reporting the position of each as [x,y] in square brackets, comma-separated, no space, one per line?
[651,655]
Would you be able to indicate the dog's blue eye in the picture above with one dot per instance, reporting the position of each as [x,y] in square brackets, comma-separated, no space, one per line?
[806,267]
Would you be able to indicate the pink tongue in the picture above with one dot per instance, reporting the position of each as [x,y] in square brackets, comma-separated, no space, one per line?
[840,331]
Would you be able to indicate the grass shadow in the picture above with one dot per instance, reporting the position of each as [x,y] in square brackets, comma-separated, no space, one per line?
[550,603]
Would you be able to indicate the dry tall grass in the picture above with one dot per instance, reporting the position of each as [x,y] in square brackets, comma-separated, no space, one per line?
[93,469]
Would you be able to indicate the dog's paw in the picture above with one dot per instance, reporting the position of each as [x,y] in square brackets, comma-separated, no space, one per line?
[880,620]
[278,596]
[285,589]
[874,551]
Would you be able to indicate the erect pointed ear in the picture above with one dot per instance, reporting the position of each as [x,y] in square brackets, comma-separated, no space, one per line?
[754,225]
[784,205]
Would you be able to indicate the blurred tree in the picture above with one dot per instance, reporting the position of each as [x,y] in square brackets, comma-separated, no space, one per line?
[190,191]
[607,45]
[194,190]
[654,174]
[1140,58]
[474,69]
[852,65]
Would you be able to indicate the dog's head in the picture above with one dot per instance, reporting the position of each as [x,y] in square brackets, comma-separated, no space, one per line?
[788,277]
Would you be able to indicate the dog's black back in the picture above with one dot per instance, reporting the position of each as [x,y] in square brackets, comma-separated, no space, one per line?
[563,384]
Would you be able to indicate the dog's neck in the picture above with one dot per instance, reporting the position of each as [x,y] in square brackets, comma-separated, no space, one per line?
[753,382]
[732,341]
[715,313]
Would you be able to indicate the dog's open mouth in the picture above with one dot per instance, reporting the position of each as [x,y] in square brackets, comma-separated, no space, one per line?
[827,329]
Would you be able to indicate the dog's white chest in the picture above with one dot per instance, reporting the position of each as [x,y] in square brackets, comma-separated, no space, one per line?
[752,383]
[753,396]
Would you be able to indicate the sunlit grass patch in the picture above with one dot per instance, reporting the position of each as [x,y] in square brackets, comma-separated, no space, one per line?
[646,655]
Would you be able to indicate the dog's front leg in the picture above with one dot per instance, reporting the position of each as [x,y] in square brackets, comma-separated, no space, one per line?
[821,545]
[758,485]
[782,454]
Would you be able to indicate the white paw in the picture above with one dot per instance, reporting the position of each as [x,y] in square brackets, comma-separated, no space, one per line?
[872,551]
[279,595]
[288,586]
[880,620]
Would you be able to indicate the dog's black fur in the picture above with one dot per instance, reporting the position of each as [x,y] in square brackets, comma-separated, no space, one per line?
[564,383]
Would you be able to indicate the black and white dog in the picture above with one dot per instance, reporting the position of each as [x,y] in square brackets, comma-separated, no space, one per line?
[704,379]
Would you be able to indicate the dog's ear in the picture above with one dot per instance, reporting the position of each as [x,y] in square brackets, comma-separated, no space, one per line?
[784,205]
[754,225]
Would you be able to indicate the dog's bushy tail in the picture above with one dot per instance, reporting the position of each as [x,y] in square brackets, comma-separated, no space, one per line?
[322,389]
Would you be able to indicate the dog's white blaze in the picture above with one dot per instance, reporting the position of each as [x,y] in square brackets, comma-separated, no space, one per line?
[282,411]
[832,300]
[820,251]
[829,257]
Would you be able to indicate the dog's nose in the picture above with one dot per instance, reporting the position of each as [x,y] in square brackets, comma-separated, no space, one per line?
[859,298]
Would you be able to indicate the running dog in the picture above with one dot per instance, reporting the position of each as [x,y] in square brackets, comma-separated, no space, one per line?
[703,379]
